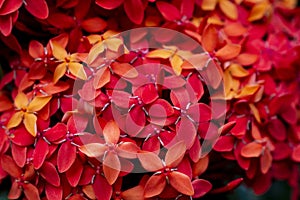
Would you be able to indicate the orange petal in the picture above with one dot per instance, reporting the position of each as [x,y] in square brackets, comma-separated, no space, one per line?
[111,167]
[248,90]
[176,63]
[229,9]
[175,154]
[111,132]
[209,4]
[238,71]
[265,161]
[200,166]
[247,59]
[21,100]
[259,10]
[181,183]
[155,185]
[210,38]
[252,149]
[124,70]
[160,53]
[150,161]
[30,123]
[102,77]
[113,44]
[77,70]
[133,193]
[89,191]
[93,149]
[58,51]
[38,103]
[95,51]
[128,150]
[59,72]
[36,49]
[229,51]
[235,29]
[15,120]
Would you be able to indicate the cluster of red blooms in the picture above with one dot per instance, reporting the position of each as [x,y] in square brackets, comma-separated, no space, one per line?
[81,111]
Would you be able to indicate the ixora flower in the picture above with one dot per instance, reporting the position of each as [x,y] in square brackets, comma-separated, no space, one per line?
[148,113]
[26,112]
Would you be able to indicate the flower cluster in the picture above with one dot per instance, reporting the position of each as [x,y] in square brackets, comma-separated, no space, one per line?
[148,99]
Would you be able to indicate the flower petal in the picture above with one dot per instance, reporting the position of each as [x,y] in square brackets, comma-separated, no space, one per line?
[9,166]
[49,173]
[228,52]
[31,192]
[15,120]
[210,38]
[59,72]
[168,11]
[229,9]
[150,161]
[201,187]
[124,70]
[252,149]
[58,51]
[155,185]
[77,70]
[134,10]
[40,152]
[93,149]
[93,25]
[21,100]
[37,8]
[175,154]
[30,123]
[111,132]
[181,183]
[38,103]
[66,156]
[265,161]
[111,167]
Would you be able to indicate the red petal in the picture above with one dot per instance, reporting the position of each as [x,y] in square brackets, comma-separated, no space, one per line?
[10,166]
[10,6]
[149,93]
[111,167]
[49,173]
[168,11]
[181,183]
[108,4]
[12,42]
[40,152]
[186,132]
[74,173]
[22,137]
[19,154]
[66,156]
[135,121]
[37,8]
[160,108]
[6,25]
[134,10]
[277,129]
[102,189]
[56,133]
[296,154]
[31,192]
[229,187]
[93,25]
[201,187]
[53,192]
[15,191]
[36,49]
[155,185]
[187,8]
[61,21]
[224,143]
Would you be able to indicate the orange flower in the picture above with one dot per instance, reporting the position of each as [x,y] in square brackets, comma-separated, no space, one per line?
[67,62]
[26,112]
